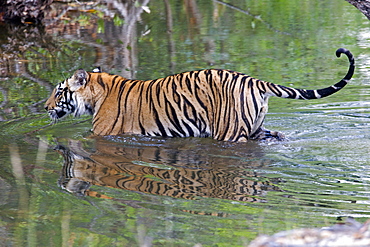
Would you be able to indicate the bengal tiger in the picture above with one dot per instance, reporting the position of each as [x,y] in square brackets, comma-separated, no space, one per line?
[221,104]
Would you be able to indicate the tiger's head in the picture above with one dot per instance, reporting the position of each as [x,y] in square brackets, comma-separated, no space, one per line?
[69,97]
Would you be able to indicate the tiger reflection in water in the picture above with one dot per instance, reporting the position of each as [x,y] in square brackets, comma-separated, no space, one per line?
[155,170]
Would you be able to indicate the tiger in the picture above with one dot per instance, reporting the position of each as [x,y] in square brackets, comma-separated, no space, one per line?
[221,104]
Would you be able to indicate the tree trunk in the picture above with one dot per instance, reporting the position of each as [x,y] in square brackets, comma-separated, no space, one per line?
[21,11]
[362,5]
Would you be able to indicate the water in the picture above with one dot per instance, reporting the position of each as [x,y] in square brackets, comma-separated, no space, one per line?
[61,186]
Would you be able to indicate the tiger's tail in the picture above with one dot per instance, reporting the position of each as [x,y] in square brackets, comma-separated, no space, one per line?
[293,93]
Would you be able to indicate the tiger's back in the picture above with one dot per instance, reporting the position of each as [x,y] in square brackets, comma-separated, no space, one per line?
[221,104]
[201,104]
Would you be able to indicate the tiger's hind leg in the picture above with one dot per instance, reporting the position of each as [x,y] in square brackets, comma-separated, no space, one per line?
[260,133]
[267,135]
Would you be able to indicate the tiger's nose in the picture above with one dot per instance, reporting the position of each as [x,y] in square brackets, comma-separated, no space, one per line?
[46,108]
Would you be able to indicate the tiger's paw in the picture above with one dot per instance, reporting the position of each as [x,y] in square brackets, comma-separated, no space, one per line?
[267,135]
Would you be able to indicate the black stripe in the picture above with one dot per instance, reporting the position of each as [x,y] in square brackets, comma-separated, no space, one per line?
[158,122]
[172,116]
[243,96]
[189,128]
[187,105]
[119,99]
[101,82]
[274,89]
[292,93]
[188,83]
[255,103]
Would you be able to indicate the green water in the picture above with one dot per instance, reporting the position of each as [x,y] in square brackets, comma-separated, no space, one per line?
[60,186]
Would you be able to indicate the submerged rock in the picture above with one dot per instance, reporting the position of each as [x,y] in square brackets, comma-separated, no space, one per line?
[352,233]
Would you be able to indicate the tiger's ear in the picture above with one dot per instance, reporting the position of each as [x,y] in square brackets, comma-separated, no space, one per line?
[78,79]
[97,70]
